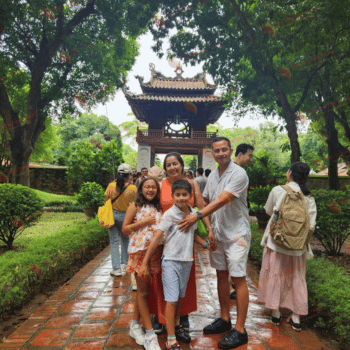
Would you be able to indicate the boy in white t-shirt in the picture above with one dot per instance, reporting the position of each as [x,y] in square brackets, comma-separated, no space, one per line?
[177,260]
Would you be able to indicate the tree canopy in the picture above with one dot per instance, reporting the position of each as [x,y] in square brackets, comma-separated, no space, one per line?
[80,51]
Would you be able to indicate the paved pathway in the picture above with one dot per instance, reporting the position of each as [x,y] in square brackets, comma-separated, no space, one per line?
[92,311]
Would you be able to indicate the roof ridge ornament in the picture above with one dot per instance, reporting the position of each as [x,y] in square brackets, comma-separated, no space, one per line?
[179,71]
[154,73]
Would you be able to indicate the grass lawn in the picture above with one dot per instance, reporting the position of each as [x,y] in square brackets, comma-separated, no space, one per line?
[54,197]
[50,223]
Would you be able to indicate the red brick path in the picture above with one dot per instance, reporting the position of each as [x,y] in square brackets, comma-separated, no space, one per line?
[93,310]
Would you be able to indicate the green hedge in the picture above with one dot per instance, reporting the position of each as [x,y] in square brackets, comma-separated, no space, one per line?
[24,272]
[63,206]
[328,288]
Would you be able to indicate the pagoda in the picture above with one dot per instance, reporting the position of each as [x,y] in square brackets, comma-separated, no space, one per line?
[177,111]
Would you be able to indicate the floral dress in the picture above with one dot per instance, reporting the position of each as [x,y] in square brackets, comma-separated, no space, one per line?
[141,239]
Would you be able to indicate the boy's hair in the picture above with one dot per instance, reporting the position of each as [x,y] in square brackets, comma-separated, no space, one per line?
[243,148]
[141,201]
[200,171]
[207,172]
[181,184]
[221,138]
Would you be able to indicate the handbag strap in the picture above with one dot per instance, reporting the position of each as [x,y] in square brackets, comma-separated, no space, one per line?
[112,201]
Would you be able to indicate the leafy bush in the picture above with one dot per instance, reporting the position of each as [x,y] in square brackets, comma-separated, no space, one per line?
[20,207]
[256,249]
[258,196]
[91,195]
[333,219]
[329,294]
[63,206]
[46,257]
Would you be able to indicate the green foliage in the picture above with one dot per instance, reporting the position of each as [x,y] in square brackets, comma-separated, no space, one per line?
[20,207]
[256,249]
[333,219]
[91,195]
[88,127]
[86,164]
[329,294]
[44,257]
[130,156]
[258,196]
[49,197]
[63,206]
[47,140]
[313,150]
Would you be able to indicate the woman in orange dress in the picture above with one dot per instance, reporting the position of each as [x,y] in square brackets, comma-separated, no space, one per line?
[174,169]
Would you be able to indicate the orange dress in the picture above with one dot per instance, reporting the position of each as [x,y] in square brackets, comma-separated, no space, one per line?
[156,300]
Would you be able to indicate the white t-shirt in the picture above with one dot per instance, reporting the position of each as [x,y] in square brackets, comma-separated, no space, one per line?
[232,220]
[178,245]
[273,203]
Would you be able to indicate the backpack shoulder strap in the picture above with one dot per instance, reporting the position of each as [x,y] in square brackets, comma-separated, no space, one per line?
[288,189]
[113,200]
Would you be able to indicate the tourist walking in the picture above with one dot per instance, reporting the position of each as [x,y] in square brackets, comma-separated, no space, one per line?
[282,282]
[121,192]
[144,173]
[174,169]
[139,224]
[201,180]
[177,259]
[226,195]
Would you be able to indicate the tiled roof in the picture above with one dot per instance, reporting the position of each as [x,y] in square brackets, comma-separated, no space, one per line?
[342,170]
[178,84]
[181,98]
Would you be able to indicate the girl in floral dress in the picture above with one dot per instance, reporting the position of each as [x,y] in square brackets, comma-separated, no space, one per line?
[140,224]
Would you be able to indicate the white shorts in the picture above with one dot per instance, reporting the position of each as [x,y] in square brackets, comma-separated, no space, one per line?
[231,256]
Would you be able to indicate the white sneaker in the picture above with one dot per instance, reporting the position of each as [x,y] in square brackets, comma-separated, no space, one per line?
[116,273]
[123,268]
[133,282]
[151,343]
[137,333]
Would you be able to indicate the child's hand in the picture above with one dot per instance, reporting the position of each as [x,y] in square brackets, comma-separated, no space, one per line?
[212,241]
[151,220]
[144,272]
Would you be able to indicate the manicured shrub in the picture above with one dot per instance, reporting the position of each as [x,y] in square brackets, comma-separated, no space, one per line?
[91,195]
[329,295]
[256,249]
[63,206]
[22,273]
[20,207]
[258,196]
[333,219]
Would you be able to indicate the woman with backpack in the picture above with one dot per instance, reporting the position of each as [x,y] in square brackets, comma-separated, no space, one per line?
[121,192]
[282,282]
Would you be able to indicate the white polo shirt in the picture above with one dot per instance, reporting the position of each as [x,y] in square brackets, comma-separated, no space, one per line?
[178,245]
[232,220]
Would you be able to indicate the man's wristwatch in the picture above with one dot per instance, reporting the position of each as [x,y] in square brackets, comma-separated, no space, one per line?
[199,214]
[206,244]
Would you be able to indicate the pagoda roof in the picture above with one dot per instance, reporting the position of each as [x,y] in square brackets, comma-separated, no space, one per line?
[159,82]
[161,93]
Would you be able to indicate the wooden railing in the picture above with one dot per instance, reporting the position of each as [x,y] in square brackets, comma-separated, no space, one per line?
[159,137]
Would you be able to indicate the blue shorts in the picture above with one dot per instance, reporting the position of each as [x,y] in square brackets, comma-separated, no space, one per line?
[175,275]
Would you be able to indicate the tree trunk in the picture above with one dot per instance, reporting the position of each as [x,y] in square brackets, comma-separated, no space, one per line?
[290,120]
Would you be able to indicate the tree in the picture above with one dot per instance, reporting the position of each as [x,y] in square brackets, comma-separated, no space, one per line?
[240,47]
[80,51]
[130,156]
[88,127]
[84,165]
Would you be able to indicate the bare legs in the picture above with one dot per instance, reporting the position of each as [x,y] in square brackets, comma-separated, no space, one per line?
[224,298]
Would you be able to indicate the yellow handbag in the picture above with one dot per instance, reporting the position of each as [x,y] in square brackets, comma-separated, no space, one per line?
[105,215]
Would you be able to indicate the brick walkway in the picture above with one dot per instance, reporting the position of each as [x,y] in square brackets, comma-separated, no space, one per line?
[93,310]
